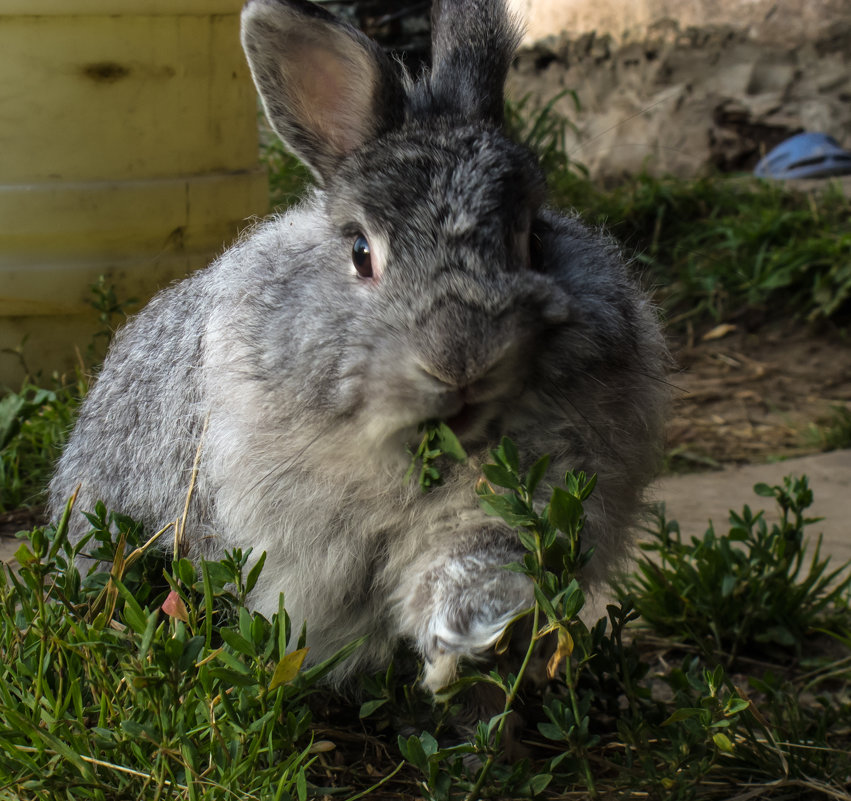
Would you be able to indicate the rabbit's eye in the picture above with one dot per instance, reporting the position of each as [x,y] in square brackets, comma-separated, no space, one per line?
[361,257]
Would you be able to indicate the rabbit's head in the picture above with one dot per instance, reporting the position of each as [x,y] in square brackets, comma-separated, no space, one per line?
[462,292]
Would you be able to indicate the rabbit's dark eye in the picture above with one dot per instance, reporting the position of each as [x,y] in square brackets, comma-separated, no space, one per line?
[361,257]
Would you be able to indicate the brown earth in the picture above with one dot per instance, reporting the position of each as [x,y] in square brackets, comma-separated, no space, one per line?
[755,397]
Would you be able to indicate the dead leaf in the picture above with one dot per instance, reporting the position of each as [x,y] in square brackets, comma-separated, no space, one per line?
[173,606]
[287,669]
[563,651]
[719,332]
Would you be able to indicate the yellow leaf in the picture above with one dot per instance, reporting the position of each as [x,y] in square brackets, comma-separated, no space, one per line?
[563,651]
[287,669]
[722,742]
[719,332]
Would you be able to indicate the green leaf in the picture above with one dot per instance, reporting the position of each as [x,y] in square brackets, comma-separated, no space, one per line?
[368,707]
[186,572]
[565,511]
[509,455]
[501,506]
[132,605]
[545,604]
[682,714]
[231,661]
[238,642]
[24,555]
[539,783]
[412,750]
[449,443]
[728,584]
[500,476]
[254,573]
[735,705]
[551,731]
[536,474]
[233,678]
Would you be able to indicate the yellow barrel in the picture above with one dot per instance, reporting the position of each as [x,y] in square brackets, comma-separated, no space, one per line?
[128,148]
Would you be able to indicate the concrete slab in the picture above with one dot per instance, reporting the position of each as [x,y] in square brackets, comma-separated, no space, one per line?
[694,499]
[8,546]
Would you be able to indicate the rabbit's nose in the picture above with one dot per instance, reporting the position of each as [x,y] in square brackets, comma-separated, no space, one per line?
[457,374]
[469,383]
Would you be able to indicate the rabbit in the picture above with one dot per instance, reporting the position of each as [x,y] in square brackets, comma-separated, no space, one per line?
[422,277]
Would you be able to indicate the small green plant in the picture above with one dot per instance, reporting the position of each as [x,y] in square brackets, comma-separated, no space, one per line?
[111,312]
[35,421]
[288,177]
[594,677]
[33,426]
[437,441]
[742,591]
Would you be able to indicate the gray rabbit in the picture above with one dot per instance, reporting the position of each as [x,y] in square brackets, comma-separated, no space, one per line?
[422,278]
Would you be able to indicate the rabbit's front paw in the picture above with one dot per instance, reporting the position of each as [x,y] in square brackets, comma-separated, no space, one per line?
[459,608]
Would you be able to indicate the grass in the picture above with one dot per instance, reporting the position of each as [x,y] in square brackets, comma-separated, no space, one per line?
[833,432]
[153,680]
[34,423]
[726,248]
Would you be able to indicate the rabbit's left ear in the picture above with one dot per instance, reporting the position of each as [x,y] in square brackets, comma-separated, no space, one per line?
[326,87]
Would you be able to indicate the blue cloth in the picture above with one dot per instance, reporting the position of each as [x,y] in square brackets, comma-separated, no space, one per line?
[805,155]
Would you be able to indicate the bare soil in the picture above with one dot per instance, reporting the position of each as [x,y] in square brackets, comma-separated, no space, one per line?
[755,397]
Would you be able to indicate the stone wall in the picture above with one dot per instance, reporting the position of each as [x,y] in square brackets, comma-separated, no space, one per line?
[662,94]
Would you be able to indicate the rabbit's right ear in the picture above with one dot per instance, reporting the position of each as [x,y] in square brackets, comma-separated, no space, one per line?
[326,87]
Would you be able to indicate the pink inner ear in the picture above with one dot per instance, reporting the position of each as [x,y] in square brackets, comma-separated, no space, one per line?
[337,96]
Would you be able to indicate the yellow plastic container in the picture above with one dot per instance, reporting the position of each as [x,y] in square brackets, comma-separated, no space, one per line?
[128,148]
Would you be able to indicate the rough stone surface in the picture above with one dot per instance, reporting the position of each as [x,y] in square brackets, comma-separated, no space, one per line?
[674,97]
[787,21]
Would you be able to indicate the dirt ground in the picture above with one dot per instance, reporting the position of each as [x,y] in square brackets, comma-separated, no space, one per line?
[755,397]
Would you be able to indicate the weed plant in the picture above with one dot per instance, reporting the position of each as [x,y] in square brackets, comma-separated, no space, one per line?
[144,682]
[34,424]
[753,587]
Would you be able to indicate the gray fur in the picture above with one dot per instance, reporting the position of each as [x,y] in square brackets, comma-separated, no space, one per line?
[313,379]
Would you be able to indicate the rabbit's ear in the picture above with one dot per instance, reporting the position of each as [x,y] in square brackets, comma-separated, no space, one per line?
[473,42]
[326,87]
